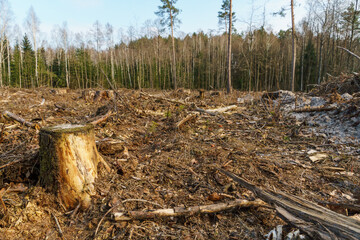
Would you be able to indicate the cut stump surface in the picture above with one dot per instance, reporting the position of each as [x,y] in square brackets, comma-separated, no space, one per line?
[68,163]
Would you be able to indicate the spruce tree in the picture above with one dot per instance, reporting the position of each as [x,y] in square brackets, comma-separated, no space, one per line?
[29,62]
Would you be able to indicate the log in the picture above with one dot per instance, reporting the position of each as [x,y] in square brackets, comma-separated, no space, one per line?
[315,109]
[68,163]
[316,221]
[17,118]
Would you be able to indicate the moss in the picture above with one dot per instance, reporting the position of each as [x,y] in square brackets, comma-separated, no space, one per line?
[48,164]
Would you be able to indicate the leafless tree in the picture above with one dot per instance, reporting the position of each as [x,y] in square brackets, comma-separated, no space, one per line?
[293,63]
[5,18]
[33,23]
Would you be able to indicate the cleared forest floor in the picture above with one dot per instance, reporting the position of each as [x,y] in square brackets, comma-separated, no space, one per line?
[153,160]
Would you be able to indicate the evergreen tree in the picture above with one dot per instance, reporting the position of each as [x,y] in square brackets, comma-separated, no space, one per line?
[169,17]
[16,67]
[224,15]
[29,62]
[310,63]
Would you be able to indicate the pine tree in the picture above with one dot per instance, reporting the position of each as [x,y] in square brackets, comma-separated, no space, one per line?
[169,17]
[224,15]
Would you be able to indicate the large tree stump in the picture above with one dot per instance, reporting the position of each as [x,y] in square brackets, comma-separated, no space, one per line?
[68,163]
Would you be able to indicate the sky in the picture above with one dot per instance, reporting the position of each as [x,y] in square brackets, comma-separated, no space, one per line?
[195,14]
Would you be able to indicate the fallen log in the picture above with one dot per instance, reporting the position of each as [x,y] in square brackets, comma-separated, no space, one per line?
[186,211]
[19,119]
[316,221]
[68,163]
[315,109]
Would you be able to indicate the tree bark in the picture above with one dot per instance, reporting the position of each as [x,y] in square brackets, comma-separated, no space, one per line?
[229,87]
[173,51]
[293,47]
[68,163]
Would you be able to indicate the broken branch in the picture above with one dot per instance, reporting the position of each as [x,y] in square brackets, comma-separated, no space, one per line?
[315,109]
[181,211]
[102,119]
[317,221]
[185,120]
[348,51]
[19,119]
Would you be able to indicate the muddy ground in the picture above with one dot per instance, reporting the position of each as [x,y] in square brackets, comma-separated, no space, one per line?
[153,160]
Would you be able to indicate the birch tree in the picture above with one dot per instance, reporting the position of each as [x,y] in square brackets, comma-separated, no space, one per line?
[110,45]
[64,36]
[98,37]
[5,17]
[229,84]
[293,47]
[33,24]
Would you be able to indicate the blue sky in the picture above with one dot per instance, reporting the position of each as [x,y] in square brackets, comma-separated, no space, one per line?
[195,14]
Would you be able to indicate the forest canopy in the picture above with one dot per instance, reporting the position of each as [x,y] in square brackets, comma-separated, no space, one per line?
[260,60]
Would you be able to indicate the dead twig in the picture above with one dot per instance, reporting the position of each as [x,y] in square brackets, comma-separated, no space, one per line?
[102,219]
[11,163]
[58,226]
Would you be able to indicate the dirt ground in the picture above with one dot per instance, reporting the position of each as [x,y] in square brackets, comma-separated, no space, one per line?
[152,160]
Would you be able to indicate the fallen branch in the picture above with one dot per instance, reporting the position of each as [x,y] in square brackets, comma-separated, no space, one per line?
[185,120]
[315,109]
[205,111]
[20,120]
[348,51]
[58,226]
[102,118]
[148,112]
[165,99]
[316,221]
[182,211]
[10,163]
[222,109]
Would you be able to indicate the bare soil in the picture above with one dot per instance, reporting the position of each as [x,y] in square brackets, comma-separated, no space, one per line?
[168,167]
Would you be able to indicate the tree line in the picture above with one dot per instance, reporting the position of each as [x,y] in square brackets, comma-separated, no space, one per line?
[260,58]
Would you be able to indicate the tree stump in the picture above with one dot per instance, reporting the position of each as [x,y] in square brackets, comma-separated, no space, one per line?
[201,93]
[68,163]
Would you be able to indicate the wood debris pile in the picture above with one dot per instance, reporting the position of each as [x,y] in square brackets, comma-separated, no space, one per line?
[164,150]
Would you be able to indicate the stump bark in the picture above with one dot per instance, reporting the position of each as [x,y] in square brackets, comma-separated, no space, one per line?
[68,163]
